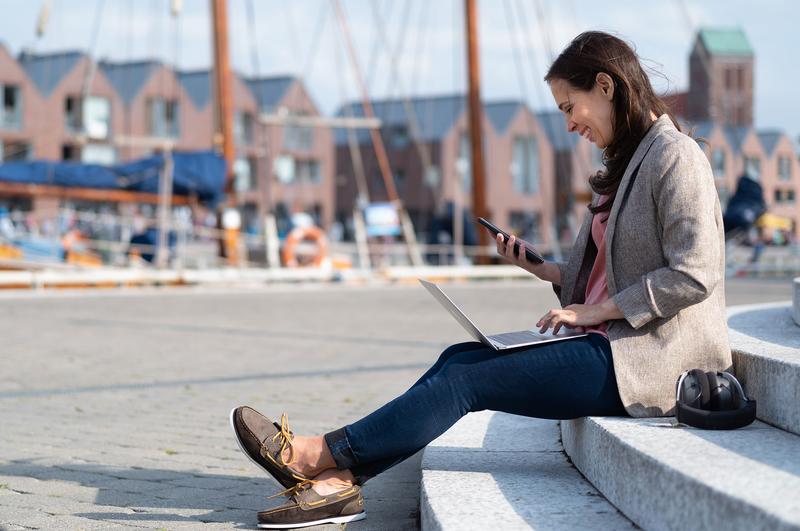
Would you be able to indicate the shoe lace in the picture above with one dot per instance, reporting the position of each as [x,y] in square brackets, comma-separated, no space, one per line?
[293,491]
[286,440]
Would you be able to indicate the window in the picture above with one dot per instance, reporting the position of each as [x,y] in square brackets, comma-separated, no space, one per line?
[243,127]
[70,152]
[399,177]
[525,165]
[464,162]
[784,169]
[298,138]
[752,168]
[92,116]
[790,196]
[14,151]
[163,118]
[72,114]
[97,117]
[244,174]
[11,112]
[98,154]
[778,196]
[398,137]
[718,162]
[308,171]
[729,78]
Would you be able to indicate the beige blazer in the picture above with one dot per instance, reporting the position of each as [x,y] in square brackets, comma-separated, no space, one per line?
[665,260]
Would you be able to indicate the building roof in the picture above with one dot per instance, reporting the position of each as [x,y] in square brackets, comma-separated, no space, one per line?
[47,70]
[556,130]
[736,136]
[435,116]
[725,41]
[769,140]
[197,85]
[269,91]
[128,78]
[502,112]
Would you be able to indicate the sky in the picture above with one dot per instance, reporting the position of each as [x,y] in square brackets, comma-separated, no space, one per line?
[416,47]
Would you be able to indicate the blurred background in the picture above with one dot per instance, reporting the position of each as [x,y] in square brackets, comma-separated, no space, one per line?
[335,136]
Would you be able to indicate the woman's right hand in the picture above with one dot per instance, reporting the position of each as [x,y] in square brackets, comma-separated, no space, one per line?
[545,271]
[506,250]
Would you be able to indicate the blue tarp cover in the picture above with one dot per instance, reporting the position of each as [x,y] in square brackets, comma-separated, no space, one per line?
[194,173]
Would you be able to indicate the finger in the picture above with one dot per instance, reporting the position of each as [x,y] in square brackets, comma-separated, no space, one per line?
[557,327]
[501,248]
[521,252]
[510,246]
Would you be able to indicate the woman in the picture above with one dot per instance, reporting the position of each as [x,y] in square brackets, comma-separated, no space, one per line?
[645,280]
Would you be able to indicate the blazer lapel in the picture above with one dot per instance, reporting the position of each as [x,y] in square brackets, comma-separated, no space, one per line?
[638,155]
[576,259]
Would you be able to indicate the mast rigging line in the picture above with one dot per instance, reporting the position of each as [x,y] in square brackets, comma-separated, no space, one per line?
[411,115]
[372,62]
[380,151]
[92,67]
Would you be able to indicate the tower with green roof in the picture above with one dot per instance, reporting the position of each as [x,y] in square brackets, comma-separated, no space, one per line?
[721,72]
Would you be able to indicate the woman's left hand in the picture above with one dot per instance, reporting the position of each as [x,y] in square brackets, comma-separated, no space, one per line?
[578,316]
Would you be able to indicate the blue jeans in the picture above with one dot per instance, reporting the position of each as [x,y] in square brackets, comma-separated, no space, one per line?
[561,380]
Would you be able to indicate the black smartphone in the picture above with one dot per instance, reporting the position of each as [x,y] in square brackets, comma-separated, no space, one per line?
[530,254]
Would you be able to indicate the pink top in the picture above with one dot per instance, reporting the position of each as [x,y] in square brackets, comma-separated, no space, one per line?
[597,287]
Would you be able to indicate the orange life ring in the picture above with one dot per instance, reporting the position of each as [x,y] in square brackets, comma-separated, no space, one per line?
[300,234]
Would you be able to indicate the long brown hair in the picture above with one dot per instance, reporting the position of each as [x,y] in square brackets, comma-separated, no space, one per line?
[634,99]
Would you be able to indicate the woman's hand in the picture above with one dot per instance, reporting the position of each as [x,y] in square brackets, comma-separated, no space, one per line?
[578,316]
[546,271]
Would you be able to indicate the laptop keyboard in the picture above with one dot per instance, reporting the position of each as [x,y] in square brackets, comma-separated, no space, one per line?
[514,338]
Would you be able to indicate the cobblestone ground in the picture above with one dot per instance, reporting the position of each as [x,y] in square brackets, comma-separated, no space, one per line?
[114,406]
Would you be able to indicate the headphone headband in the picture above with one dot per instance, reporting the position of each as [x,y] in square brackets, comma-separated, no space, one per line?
[715,420]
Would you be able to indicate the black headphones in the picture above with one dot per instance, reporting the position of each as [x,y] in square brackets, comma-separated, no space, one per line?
[712,401]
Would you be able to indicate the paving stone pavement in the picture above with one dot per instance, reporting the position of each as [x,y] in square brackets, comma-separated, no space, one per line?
[114,405]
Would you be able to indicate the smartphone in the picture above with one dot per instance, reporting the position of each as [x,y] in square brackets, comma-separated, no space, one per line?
[530,254]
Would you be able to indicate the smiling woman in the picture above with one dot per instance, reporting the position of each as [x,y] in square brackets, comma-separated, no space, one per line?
[606,96]
[644,280]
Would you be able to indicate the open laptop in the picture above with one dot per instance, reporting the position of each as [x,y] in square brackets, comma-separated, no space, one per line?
[498,341]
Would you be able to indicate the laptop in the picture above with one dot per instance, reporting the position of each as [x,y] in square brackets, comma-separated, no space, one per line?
[504,341]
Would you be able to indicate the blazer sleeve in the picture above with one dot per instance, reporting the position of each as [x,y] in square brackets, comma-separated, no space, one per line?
[685,197]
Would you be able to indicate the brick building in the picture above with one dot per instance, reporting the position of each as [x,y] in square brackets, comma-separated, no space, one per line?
[519,176]
[721,77]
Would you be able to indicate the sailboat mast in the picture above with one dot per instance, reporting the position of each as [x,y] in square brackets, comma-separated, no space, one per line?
[223,100]
[475,119]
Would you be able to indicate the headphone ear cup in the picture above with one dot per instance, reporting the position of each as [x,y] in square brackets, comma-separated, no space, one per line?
[700,380]
[727,393]
[737,400]
[714,401]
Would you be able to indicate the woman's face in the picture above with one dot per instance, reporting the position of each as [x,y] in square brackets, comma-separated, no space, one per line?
[590,113]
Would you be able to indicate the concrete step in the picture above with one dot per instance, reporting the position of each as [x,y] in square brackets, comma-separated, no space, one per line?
[504,472]
[666,477]
[765,345]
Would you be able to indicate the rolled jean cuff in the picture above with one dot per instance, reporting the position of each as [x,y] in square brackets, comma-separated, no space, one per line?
[340,449]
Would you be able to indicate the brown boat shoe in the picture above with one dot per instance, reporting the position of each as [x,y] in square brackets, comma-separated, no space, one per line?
[305,507]
[264,441]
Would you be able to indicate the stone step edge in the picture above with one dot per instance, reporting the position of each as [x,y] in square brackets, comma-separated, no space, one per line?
[690,491]
[465,486]
[766,359]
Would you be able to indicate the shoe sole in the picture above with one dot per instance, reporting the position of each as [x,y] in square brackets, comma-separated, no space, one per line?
[241,448]
[332,520]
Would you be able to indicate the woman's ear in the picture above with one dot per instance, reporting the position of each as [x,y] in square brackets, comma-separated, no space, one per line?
[606,85]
